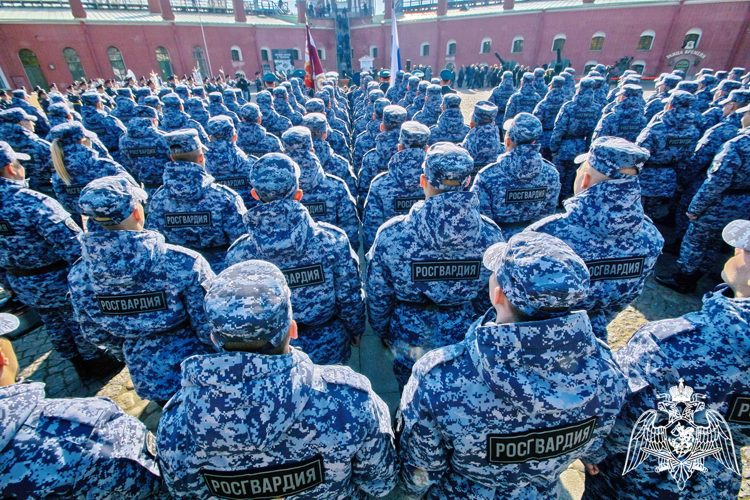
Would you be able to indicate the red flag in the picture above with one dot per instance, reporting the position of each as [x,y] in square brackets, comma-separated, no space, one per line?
[313,69]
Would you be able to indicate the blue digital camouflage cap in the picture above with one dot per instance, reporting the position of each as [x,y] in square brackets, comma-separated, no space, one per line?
[528,78]
[451,101]
[434,90]
[538,273]
[20,94]
[609,155]
[15,115]
[538,72]
[484,112]
[738,71]
[145,112]
[68,133]
[275,176]
[586,83]
[250,112]
[630,90]
[632,80]
[524,128]
[315,105]
[171,100]
[570,71]
[706,71]
[229,93]
[316,122]
[91,98]
[110,200]
[8,156]
[557,82]
[221,127]
[679,72]
[215,97]
[58,110]
[184,140]
[707,80]
[413,82]
[152,101]
[414,134]
[199,92]
[670,80]
[446,74]
[728,85]
[247,302]
[721,75]
[740,96]
[195,103]
[374,95]
[737,234]
[379,106]
[263,97]
[448,167]
[680,99]
[143,92]
[280,93]
[691,87]
[628,72]
[394,116]
[125,92]
[297,138]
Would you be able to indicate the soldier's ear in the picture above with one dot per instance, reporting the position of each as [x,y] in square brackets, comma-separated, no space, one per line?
[297,196]
[293,329]
[255,195]
[422,181]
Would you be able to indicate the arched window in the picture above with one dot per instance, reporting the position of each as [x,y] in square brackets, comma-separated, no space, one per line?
[265,54]
[200,61]
[692,38]
[165,64]
[118,65]
[295,54]
[373,51]
[638,66]
[646,41]
[589,66]
[33,69]
[597,41]
[517,46]
[322,53]
[424,49]
[558,42]
[236,54]
[486,46]
[450,48]
[74,64]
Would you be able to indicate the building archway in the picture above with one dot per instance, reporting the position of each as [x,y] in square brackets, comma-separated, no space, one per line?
[33,69]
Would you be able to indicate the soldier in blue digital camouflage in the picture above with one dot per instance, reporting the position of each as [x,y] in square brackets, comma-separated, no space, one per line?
[140,95]
[483,141]
[655,103]
[155,102]
[671,140]
[570,84]
[301,98]
[320,266]
[365,115]
[183,91]
[424,279]
[333,119]
[523,101]
[21,100]
[282,106]
[259,419]
[230,101]
[39,243]
[540,86]
[59,113]
[252,137]
[175,117]
[332,163]
[626,120]
[67,447]
[503,413]
[338,140]
[723,197]
[393,91]
[386,145]
[143,149]
[198,111]
[327,197]
[546,112]
[450,126]
[191,209]
[17,128]
[216,107]
[704,95]
[500,96]
[521,187]
[714,114]
[132,291]
[430,112]
[574,125]
[419,99]
[394,191]
[411,92]
[703,350]
[226,162]
[708,146]
[366,140]
[76,164]
[270,119]
[106,126]
[125,105]
[605,225]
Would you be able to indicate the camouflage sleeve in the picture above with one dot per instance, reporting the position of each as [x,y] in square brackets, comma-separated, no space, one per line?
[192,299]
[235,210]
[116,124]
[561,126]
[346,216]
[602,129]
[645,139]
[424,456]
[484,194]
[55,225]
[348,288]
[510,108]
[705,149]
[375,466]
[381,296]
[127,161]
[540,110]
[719,179]
[373,219]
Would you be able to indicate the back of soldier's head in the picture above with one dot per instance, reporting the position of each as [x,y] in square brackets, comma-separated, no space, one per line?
[414,135]
[393,117]
[448,167]
[274,177]
[185,145]
[221,128]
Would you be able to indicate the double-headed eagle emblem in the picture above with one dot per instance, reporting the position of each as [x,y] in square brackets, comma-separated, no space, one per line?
[678,443]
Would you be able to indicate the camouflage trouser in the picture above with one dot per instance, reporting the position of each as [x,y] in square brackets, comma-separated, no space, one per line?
[653,204]
[681,220]
[567,170]
[326,344]
[703,238]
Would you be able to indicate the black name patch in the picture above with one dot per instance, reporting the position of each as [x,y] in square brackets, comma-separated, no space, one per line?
[297,277]
[525,195]
[232,182]
[585,115]
[257,154]
[144,152]
[403,204]
[74,190]
[542,444]
[132,303]
[317,208]
[445,270]
[679,142]
[739,410]
[187,219]
[616,269]
[6,229]
[633,127]
[278,481]
[526,102]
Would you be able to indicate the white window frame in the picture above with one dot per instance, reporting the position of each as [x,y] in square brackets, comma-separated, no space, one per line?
[481,45]
[447,48]
[239,52]
[639,62]
[371,51]
[322,53]
[694,31]
[513,44]
[268,53]
[556,38]
[421,49]
[650,33]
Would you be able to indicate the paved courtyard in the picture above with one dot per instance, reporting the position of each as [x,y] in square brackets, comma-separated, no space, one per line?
[40,363]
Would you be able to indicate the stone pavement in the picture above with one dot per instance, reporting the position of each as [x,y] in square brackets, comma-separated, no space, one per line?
[40,363]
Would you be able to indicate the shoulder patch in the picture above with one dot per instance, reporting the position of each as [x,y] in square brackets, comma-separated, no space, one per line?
[438,357]
[343,375]
[80,411]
